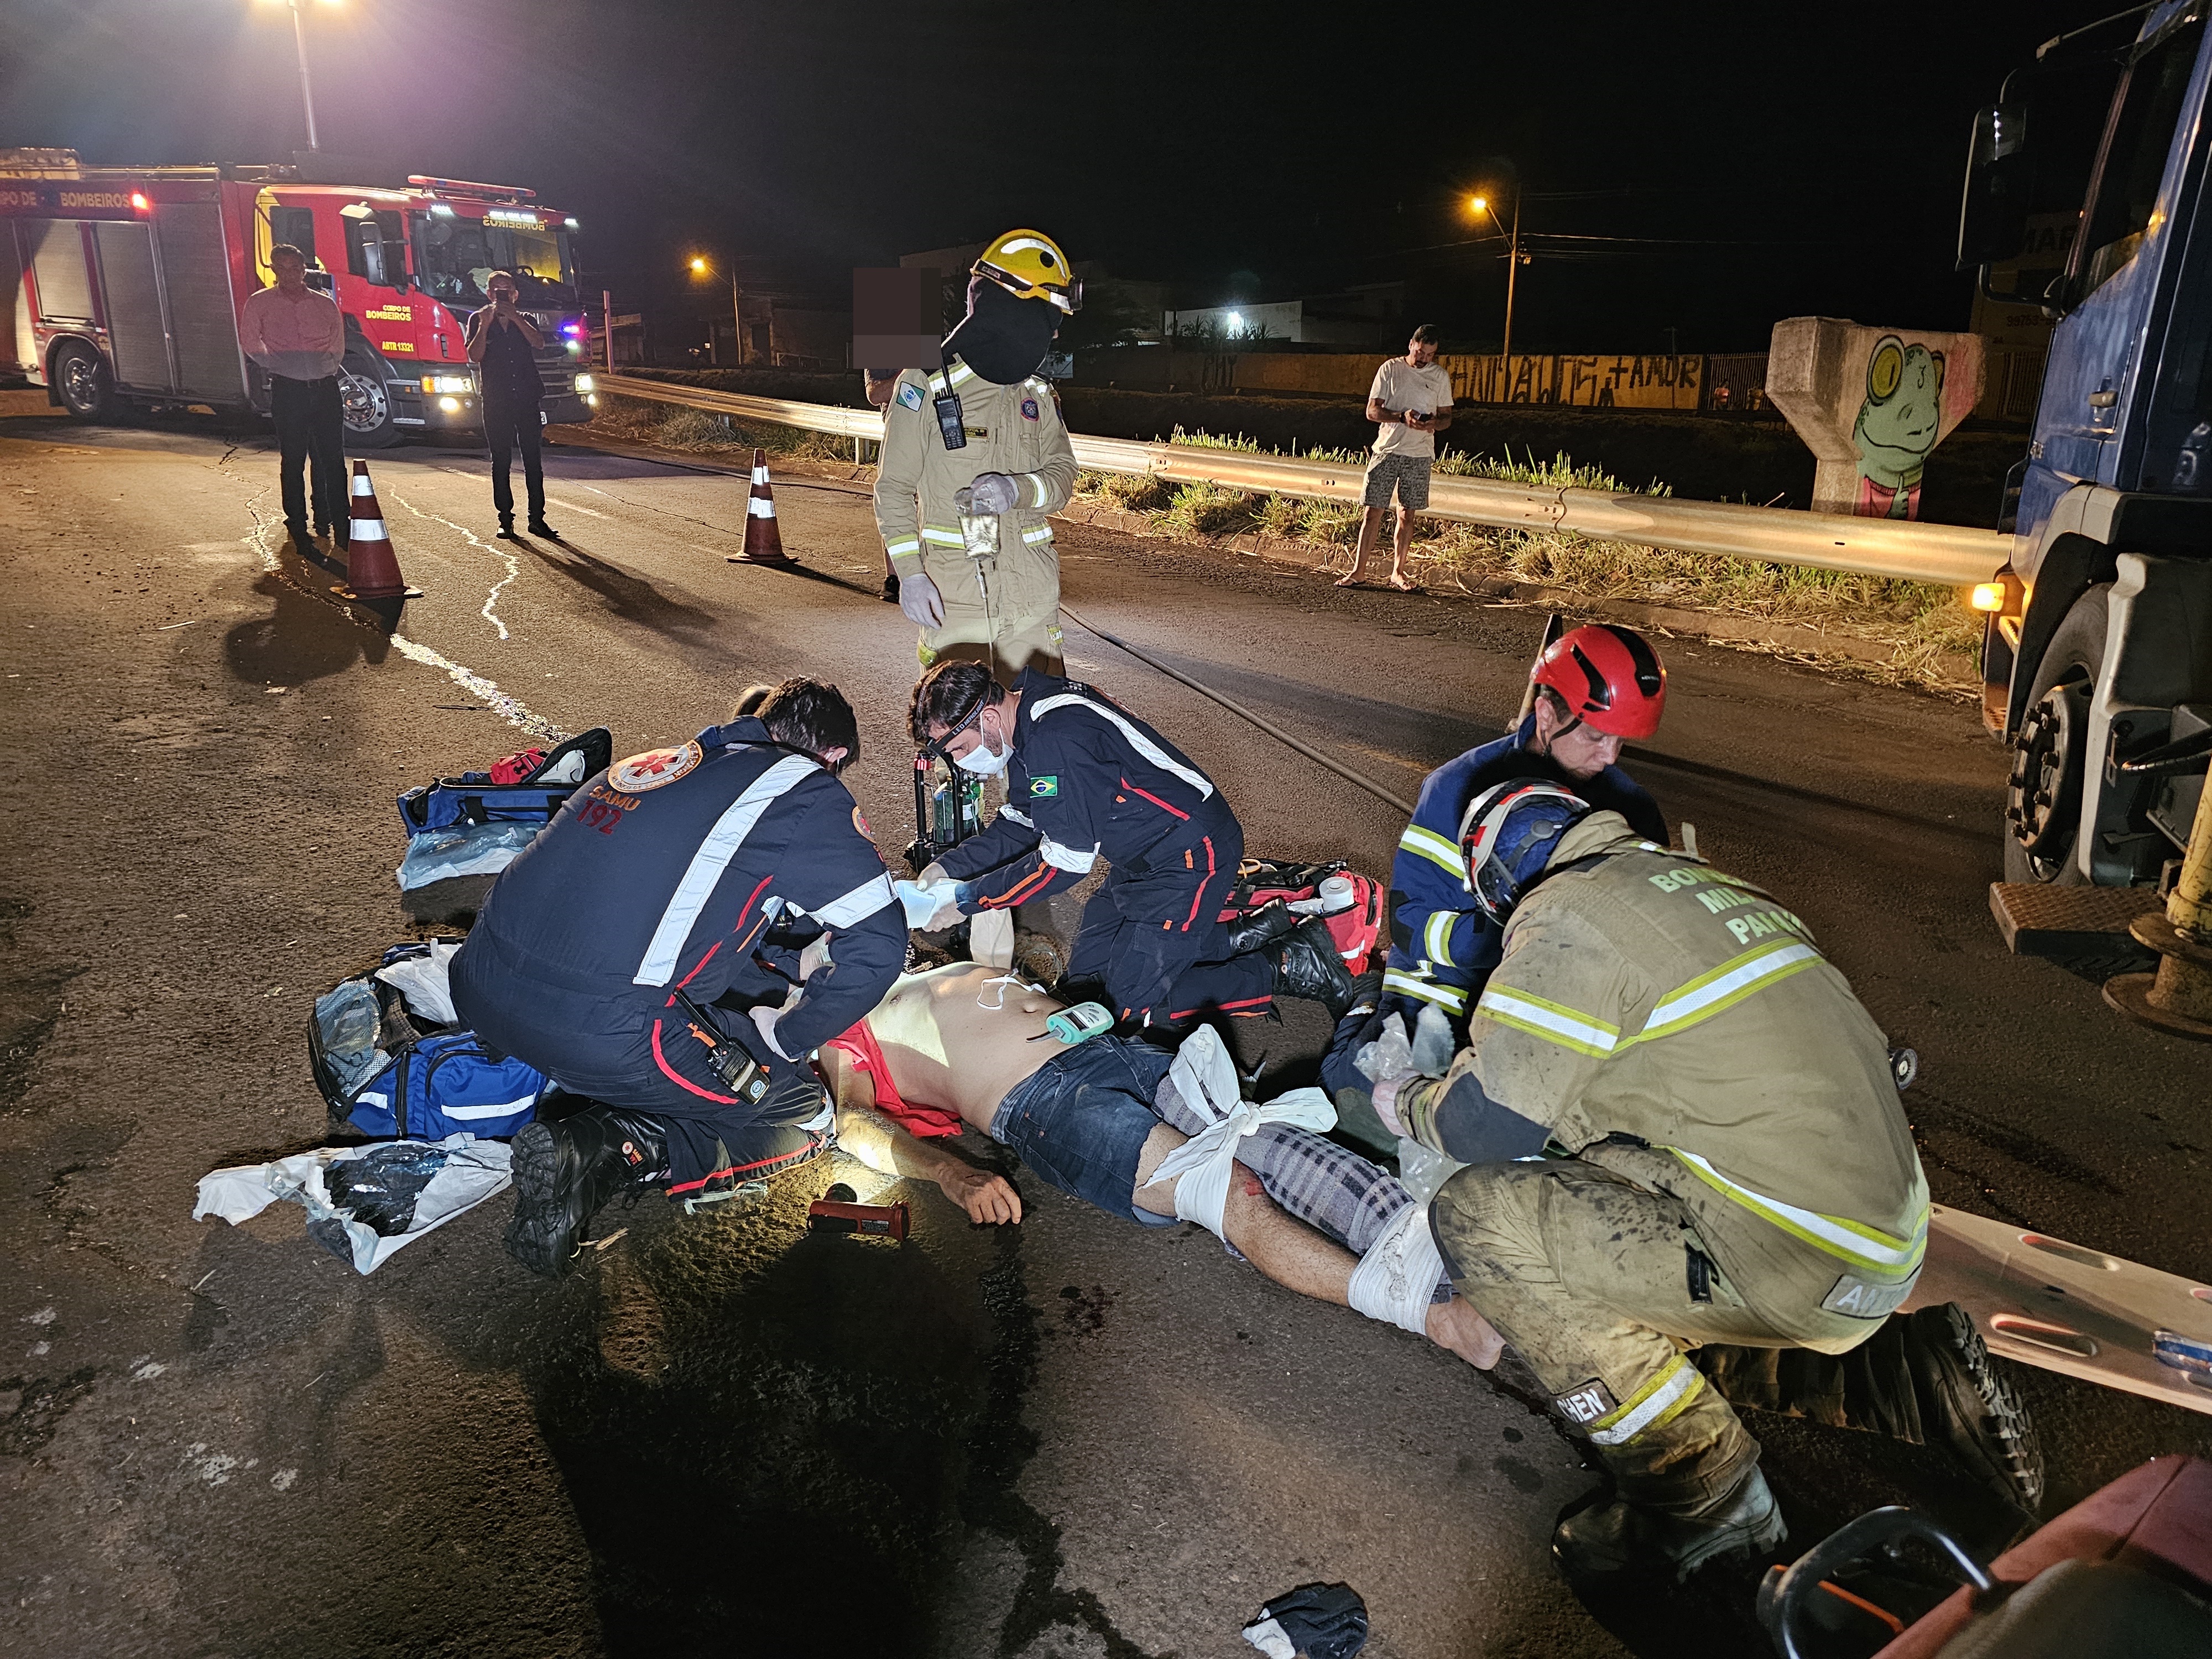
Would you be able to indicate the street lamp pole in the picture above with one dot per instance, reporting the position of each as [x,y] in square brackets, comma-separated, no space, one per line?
[1512,269]
[307,87]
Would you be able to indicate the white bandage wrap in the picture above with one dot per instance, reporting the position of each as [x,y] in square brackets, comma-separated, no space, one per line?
[1396,1279]
[1206,1078]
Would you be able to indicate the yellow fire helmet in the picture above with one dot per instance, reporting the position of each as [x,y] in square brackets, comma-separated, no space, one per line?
[1028,265]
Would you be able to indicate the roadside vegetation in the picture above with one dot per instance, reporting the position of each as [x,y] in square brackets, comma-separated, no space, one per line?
[696,431]
[1926,627]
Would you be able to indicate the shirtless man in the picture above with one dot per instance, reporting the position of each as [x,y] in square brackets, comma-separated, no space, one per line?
[964,1047]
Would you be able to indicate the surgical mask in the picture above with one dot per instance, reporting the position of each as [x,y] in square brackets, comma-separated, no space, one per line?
[983,761]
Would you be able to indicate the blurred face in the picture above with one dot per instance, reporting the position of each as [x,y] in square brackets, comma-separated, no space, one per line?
[1580,753]
[1422,353]
[291,270]
[502,290]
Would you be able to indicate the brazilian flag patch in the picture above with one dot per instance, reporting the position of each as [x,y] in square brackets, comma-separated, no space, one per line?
[1044,786]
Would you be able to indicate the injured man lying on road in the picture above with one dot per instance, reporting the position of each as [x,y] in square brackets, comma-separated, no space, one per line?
[1147,1135]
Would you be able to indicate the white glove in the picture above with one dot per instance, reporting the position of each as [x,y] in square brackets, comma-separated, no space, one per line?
[930,876]
[928,909]
[764,1020]
[992,492]
[920,599]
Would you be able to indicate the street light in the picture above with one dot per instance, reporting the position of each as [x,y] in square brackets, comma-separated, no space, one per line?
[1481,204]
[700,268]
[299,41]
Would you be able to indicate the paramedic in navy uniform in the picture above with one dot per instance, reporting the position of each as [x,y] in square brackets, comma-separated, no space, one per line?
[689,868]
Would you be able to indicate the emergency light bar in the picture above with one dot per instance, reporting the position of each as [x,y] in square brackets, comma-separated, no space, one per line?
[467,187]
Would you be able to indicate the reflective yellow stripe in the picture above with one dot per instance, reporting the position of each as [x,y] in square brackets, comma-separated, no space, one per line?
[1661,1399]
[1037,533]
[937,536]
[1714,992]
[1553,1021]
[1436,938]
[1434,848]
[1452,998]
[1038,488]
[911,544]
[1867,1249]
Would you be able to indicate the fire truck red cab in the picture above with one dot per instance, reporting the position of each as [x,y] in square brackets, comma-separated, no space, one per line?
[122,285]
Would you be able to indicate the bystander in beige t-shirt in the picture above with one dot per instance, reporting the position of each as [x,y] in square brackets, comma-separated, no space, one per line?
[1400,387]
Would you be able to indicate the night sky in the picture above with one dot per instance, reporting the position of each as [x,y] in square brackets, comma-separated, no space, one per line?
[1771,160]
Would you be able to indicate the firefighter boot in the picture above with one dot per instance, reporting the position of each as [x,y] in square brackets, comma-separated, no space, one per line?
[1967,1408]
[1308,964]
[1257,929]
[1687,1489]
[564,1171]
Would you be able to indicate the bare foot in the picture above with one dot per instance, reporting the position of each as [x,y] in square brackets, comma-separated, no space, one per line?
[1398,581]
[1456,1326]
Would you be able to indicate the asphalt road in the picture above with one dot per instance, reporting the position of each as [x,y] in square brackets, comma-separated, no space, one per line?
[725,1438]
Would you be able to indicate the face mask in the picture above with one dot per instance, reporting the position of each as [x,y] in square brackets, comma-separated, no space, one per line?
[983,761]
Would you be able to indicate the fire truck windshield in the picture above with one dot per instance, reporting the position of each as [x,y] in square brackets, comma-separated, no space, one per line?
[453,256]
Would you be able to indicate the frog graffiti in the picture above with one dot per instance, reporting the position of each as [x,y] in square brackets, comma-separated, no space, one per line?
[1898,424]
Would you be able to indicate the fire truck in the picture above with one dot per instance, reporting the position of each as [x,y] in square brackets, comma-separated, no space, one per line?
[122,285]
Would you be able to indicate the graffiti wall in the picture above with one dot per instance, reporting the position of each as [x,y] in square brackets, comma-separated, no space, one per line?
[1593,381]
[1871,404]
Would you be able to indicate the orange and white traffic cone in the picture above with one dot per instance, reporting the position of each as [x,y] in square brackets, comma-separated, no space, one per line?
[763,541]
[371,568]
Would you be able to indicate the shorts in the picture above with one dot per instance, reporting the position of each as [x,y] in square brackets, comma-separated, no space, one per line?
[1080,1121]
[1409,473]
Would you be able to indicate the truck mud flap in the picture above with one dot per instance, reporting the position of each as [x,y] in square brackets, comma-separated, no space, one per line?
[2068,1309]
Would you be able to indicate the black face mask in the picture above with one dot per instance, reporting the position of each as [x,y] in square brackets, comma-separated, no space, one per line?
[1002,338]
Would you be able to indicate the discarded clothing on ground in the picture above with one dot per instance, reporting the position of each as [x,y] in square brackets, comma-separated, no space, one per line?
[364,1203]
[1319,1621]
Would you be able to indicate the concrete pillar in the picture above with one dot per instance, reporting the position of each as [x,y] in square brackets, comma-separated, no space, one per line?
[1871,404]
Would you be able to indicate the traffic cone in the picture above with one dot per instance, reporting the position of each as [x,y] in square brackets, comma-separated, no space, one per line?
[371,568]
[763,541]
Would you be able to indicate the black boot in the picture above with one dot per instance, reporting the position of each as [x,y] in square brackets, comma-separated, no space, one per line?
[507,527]
[1612,1543]
[1308,964]
[891,588]
[1969,1410]
[1257,929]
[539,528]
[564,1171]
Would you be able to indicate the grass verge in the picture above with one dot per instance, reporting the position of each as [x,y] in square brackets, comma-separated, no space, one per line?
[698,433]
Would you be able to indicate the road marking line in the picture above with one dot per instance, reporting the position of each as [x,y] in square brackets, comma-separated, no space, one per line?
[578,507]
[514,566]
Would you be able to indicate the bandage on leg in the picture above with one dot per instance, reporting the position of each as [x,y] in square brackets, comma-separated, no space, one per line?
[1206,1078]
[1396,1281]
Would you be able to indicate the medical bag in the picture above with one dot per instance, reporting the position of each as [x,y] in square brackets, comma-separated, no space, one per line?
[1348,902]
[476,798]
[391,1060]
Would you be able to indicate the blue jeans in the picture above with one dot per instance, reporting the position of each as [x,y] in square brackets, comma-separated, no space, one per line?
[1081,1119]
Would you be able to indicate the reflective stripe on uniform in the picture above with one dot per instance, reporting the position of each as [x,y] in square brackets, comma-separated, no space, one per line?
[1017,816]
[905,544]
[1435,849]
[707,863]
[1138,741]
[937,536]
[1072,859]
[1038,488]
[1436,937]
[1450,998]
[1554,1021]
[1867,1247]
[1661,1399]
[863,901]
[1712,992]
[1037,533]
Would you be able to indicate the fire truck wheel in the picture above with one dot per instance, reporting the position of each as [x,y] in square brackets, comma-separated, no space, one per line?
[366,405]
[80,375]
[2050,755]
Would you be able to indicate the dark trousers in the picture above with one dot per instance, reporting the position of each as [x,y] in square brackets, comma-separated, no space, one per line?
[311,433]
[1156,943]
[511,424]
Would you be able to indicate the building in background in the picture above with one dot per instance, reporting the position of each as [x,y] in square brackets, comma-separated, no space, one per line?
[1362,315]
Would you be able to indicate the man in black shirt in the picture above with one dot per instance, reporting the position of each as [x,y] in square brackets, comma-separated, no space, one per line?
[502,344]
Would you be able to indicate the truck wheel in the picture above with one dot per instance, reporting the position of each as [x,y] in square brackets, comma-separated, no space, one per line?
[366,405]
[2049,757]
[81,376]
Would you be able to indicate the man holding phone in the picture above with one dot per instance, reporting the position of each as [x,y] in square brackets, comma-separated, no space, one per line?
[1410,403]
[503,343]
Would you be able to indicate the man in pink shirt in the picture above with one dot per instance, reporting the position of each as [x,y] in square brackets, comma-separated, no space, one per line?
[299,337]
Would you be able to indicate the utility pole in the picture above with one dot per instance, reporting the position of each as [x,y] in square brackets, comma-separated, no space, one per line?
[1512,268]
[738,312]
[607,316]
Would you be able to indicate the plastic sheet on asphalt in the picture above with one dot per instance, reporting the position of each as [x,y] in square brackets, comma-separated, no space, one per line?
[472,1172]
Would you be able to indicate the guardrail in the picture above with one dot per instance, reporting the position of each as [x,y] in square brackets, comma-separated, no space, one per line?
[1947,554]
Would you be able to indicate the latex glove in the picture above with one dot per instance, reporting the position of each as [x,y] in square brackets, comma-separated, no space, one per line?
[920,599]
[1432,1042]
[764,1020]
[931,908]
[814,957]
[992,492]
[932,875]
[1390,1058]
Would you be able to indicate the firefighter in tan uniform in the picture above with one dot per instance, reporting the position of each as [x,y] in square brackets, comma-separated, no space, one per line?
[974,461]
[1729,1161]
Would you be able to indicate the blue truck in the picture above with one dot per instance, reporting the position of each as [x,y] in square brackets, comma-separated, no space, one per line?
[2099,664]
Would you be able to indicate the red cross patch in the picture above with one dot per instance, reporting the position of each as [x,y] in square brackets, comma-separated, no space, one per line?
[653,769]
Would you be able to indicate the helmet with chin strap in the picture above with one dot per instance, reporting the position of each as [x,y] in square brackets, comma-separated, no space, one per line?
[1609,678]
[1508,834]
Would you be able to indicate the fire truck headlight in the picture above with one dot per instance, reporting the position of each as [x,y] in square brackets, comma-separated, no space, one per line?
[449,405]
[447,383]
[585,383]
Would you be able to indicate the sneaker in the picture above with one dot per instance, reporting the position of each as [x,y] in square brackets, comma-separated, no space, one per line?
[565,1171]
[539,528]
[891,588]
[1308,964]
[506,531]
[1613,1543]
[1969,1410]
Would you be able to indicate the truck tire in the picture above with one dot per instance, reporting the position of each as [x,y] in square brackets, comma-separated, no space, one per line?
[365,405]
[2049,757]
[81,380]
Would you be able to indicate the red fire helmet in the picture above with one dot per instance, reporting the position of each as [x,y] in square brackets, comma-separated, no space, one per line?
[1609,676]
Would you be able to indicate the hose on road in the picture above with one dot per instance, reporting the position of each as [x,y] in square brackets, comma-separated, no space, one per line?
[1242,713]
